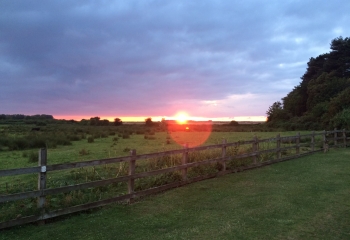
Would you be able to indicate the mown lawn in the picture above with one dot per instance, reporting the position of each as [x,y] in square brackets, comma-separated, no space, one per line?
[306,198]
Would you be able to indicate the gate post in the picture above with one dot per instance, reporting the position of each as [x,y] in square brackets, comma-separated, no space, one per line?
[42,162]
[278,147]
[255,149]
[313,141]
[297,149]
[184,161]
[131,181]
[224,141]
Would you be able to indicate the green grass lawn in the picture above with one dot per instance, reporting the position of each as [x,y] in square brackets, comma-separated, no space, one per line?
[306,198]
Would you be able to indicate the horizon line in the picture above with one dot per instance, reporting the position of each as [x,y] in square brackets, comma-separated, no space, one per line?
[159,118]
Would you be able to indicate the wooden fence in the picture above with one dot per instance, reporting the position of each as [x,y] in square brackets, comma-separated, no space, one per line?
[317,142]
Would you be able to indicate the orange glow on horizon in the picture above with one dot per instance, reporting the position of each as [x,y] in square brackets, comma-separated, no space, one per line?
[181,117]
[159,118]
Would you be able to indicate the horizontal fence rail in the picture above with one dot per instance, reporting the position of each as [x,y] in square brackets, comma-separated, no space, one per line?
[254,150]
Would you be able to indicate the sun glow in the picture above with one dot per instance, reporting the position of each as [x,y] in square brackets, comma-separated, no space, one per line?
[181,117]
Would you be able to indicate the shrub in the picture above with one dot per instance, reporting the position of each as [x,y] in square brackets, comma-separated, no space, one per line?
[18,144]
[100,135]
[84,152]
[90,139]
[341,119]
[74,137]
[79,130]
[233,123]
[40,124]
[37,142]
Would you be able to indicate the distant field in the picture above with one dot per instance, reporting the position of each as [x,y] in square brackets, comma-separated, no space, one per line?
[106,147]
[305,198]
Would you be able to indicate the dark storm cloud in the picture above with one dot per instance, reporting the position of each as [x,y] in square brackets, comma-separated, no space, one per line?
[150,57]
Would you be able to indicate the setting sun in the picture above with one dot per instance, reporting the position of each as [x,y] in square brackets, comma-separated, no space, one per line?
[181,117]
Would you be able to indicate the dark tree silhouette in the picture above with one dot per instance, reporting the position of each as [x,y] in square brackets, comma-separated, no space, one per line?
[321,95]
[118,122]
[149,122]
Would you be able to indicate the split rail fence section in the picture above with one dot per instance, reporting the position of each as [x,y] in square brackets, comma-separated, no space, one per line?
[316,142]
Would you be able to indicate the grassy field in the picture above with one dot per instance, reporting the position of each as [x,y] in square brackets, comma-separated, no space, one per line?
[106,147]
[114,146]
[306,198]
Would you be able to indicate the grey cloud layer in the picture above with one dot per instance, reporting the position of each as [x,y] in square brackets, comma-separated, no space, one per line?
[143,57]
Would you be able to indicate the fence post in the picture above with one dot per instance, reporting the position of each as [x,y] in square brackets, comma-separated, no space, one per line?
[344,137]
[184,161]
[313,141]
[325,145]
[278,142]
[255,148]
[224,141]
[131,173]
[42,162]
[297,148]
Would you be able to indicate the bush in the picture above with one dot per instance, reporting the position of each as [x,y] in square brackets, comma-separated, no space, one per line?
[18,144]
[90,139]
[73,137]
[40,124]
[100,135]
[342,119]
[84,152]
[38,142]
[233,123]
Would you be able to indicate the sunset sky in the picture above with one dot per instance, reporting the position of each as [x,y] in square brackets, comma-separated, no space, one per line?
[219,60]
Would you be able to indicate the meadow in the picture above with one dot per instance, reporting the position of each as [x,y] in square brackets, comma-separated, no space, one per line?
[112,141]
[306,198]
[107,143]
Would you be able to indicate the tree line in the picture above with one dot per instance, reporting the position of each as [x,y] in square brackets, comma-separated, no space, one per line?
[322,99]
[25,117]
[43,119]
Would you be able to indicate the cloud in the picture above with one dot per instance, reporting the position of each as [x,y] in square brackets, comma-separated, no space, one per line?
[158,57]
